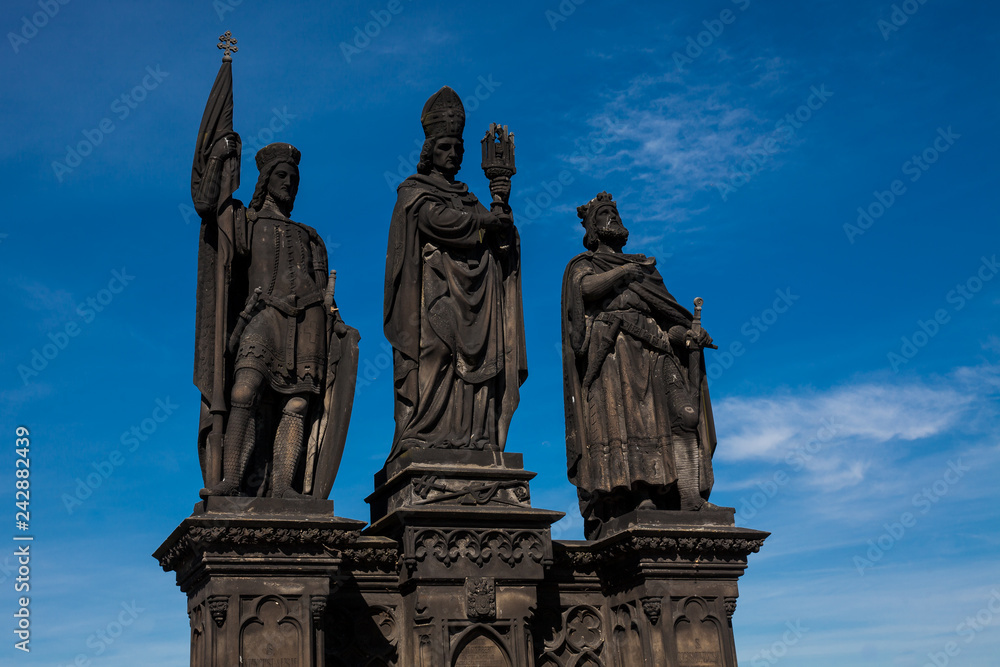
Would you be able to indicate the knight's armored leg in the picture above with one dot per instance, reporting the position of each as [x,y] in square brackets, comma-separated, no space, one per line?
[238,443]
[288,445]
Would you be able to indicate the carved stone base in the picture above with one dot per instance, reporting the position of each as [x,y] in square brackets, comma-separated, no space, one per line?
[450,478]
[473,554]
[274,582]
[659,589]
[257,573]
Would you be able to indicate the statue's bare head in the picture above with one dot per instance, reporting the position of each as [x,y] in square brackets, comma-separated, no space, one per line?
[604,225]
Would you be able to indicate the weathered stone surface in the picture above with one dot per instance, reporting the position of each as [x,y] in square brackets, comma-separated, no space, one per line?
[639,427]
[274,361]
[453,312]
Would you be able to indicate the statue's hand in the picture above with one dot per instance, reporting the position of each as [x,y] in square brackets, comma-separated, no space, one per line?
[226,147]
[498,220]
[339,327]
[500,186]
[633,273]
[698,341]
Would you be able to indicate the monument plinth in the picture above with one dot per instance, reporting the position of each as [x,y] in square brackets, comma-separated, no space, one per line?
[665,584]
[473,553]
[258,573]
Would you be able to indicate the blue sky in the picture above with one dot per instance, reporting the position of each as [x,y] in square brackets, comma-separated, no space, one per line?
[857,412]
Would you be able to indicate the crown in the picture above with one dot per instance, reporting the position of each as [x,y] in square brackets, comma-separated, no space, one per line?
[591,208]
[443,114]
[278,152]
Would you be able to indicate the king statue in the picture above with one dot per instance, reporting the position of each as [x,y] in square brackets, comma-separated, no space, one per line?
[639,429]
[452,307]
[274,361]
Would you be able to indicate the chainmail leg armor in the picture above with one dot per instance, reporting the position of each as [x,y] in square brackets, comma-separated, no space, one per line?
[287,447]
[236,448]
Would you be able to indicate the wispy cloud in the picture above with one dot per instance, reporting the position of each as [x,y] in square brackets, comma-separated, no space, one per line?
[675,138]
[841,435]
[769,427]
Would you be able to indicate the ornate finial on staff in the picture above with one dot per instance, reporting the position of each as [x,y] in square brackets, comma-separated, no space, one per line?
[498,154]
[227,42]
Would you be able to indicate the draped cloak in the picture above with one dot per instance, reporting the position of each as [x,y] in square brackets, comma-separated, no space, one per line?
[623,390]
[454,318]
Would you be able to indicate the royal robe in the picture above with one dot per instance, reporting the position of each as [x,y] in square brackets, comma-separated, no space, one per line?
[629,389]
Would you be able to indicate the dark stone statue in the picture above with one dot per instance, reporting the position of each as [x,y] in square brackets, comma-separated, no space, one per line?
[639,430]
[453,297]
[275,363]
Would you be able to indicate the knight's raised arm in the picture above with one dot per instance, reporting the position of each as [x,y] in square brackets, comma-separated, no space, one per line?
[206,185]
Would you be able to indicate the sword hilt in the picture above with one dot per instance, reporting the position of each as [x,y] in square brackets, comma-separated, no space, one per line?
[696,323]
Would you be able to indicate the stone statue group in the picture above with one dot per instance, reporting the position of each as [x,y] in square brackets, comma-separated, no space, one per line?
[276,364]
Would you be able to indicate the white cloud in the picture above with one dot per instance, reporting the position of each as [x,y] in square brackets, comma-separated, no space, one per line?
[770,427]
[675,138]
[853,436]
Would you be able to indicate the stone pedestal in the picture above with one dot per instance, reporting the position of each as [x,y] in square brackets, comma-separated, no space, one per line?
[473,553]
[257,573]
[656,588]
[457,569]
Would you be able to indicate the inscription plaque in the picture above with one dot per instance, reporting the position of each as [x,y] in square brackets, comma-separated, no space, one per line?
[272,640]
[481,652]
[698,641]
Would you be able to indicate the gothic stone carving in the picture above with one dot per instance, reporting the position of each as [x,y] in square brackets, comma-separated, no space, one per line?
[479,546]
[730,603]
[218,605]
[246,539]
[651,606]
[481,599]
